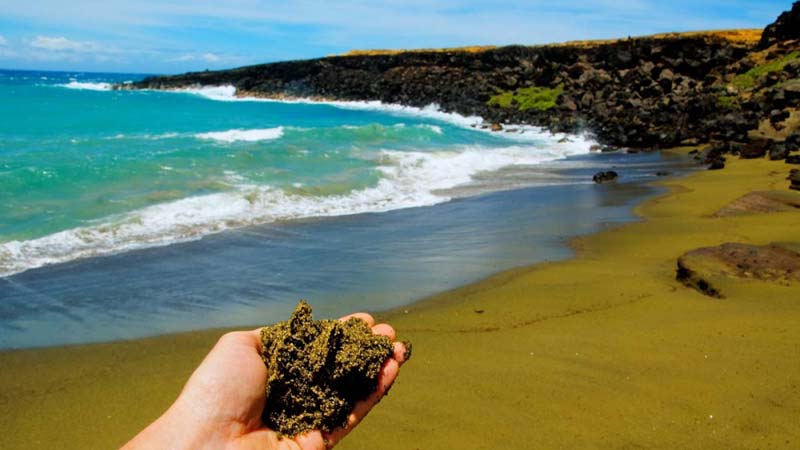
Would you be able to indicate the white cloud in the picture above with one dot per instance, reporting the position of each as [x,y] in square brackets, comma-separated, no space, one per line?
[3,40]
[182,58]
[64,44]
[207,57]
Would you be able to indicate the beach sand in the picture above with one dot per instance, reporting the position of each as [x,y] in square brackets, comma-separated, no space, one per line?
[605,350]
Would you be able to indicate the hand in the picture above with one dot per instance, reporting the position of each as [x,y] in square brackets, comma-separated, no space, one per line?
[221,404]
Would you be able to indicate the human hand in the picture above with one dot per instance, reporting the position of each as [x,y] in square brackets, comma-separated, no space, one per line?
[221,404]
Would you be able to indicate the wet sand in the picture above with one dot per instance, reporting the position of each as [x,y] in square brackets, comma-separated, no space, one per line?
[605,350]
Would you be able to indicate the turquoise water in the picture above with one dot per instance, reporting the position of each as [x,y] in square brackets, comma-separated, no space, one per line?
[88,171]
[128,214]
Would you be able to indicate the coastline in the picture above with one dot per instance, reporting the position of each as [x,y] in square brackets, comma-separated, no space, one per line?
[603,350]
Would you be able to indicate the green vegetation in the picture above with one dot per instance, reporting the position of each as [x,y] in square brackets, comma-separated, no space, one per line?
[748,79]
[728,102]
[534,97]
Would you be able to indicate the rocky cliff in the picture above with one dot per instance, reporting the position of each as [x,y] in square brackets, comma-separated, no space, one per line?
[644,93]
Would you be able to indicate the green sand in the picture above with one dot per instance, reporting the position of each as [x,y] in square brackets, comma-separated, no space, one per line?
[606,350]
[318,370]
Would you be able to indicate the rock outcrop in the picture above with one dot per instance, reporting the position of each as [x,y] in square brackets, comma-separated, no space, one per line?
[636,93]
[785,28]
[704,269]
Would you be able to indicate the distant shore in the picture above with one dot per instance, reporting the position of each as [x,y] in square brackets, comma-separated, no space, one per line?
[605,350]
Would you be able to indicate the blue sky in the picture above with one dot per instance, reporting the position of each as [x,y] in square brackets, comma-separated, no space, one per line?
[170,36]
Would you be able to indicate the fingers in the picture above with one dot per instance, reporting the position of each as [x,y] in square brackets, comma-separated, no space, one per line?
[384,330]
[400,353]
[363,316]
[387,376]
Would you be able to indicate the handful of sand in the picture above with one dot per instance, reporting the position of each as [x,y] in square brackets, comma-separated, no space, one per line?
[318,370]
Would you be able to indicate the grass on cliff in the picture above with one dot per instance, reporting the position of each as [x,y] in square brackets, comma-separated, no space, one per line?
[729,102]
[534,97]
[748,79]
[376,52]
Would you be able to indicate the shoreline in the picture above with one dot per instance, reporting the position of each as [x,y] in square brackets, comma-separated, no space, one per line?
[602,350]
[493,251]
[631,200]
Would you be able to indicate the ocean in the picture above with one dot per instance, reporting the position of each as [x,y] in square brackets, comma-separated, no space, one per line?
[132,213]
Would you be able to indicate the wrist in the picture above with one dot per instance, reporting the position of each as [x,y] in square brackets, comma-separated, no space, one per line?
[182,427]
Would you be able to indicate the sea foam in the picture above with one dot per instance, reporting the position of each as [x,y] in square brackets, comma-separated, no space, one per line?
[522,133]
[409,179]
[253,135]
[86,86]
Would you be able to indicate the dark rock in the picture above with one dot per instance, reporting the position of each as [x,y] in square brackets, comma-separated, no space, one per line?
[791,90]
[717,164]
[754,150]
[792,142]
[497,127]
[785,28]
[690,278]
[778,151]
[793,159]
[605,177]
[663,173]
[778,115]
[794,178]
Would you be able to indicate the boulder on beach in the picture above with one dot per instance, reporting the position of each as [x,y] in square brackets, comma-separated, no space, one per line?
[761,202]
[705,269]
[605,177]
[794,179]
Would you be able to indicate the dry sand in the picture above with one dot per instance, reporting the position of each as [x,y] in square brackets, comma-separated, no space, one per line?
[605,350]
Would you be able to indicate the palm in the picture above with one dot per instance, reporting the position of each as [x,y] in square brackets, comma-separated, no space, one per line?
[228,389]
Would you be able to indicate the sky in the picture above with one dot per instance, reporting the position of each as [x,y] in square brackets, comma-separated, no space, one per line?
[173,36]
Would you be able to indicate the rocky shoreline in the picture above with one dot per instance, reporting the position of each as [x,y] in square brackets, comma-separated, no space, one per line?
[728,96]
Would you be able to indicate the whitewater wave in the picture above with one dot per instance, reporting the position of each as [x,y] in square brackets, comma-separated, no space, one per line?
[522,133]
[408,179]
[253,135]
[227,93]
[87,86]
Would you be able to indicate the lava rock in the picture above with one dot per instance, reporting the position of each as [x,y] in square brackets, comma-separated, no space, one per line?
[605,177]
[785,28]
[778,151]
[754,150]
[794,178]
[793,142]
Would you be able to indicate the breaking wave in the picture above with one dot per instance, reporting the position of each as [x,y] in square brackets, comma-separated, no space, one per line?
[408,179]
